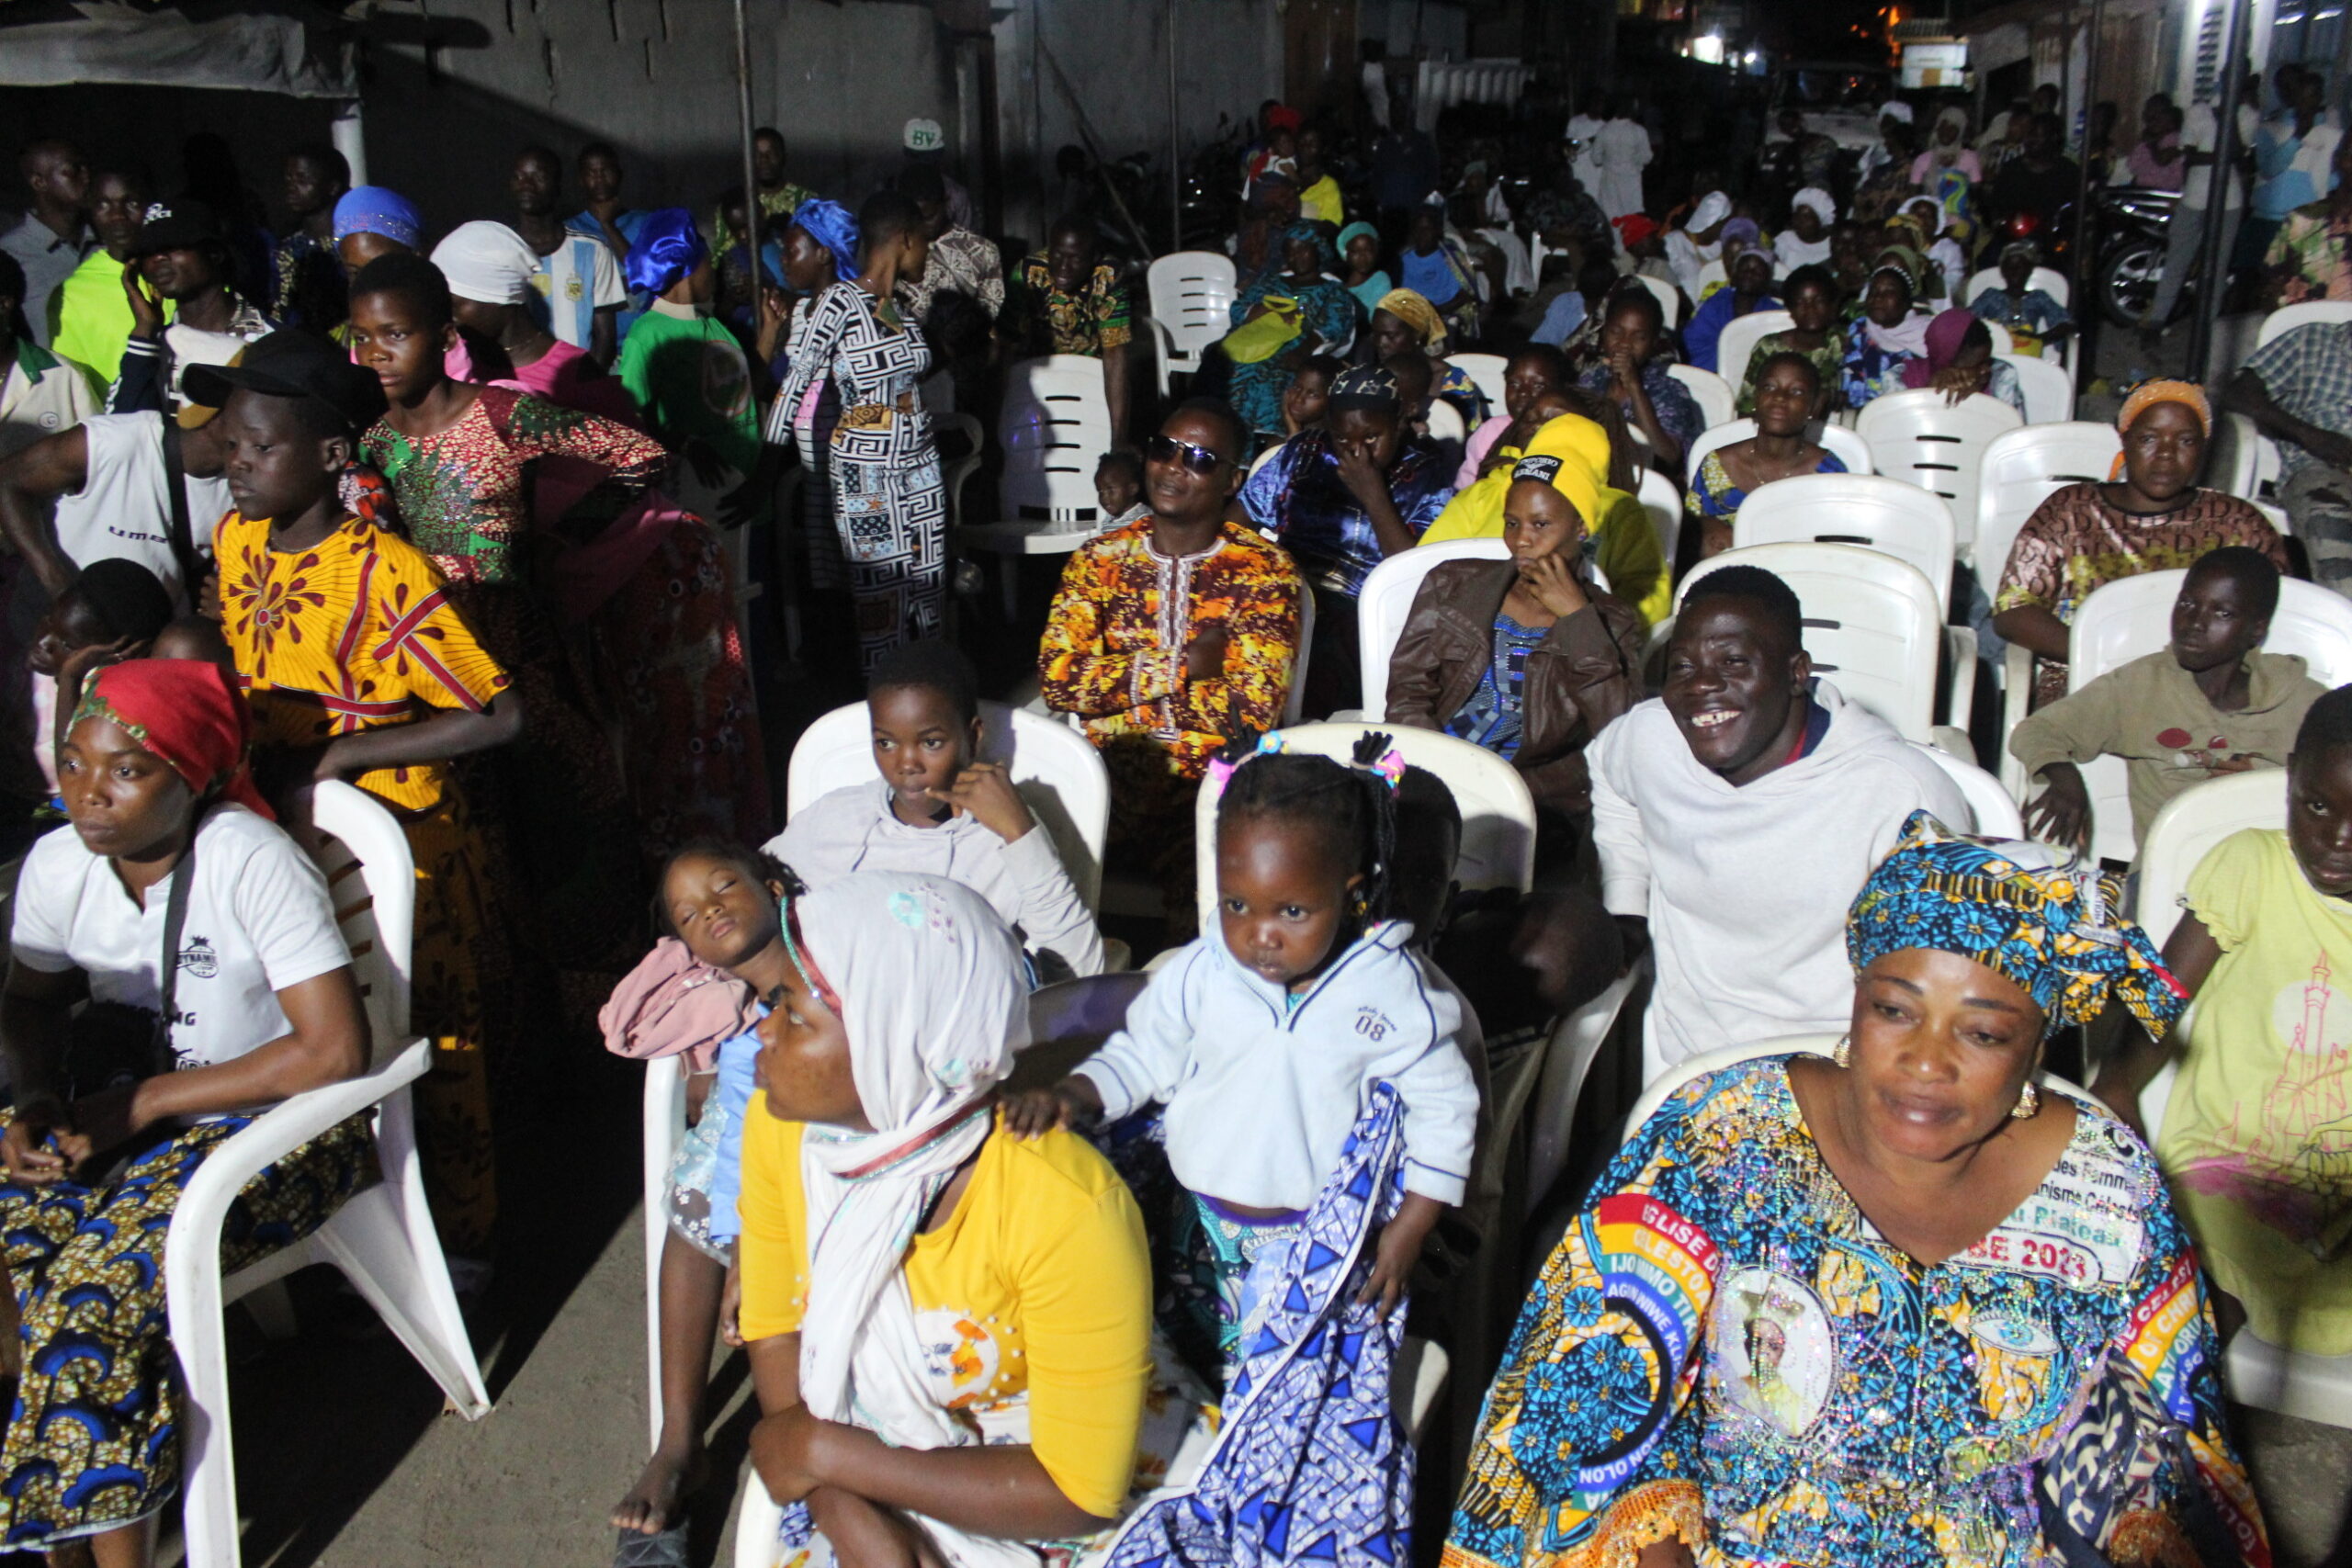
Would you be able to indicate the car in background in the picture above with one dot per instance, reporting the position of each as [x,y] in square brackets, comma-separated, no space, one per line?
[1838,99]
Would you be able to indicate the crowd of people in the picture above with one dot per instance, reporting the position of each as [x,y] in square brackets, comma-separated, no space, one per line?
[455,518]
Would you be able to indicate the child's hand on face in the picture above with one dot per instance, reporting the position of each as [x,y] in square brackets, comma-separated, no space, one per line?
[1073,1102]
[985,791]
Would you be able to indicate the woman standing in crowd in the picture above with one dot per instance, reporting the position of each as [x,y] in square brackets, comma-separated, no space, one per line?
[888,502]
[375,221]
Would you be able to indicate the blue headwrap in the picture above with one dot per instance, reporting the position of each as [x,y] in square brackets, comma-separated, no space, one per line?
[832,226]
[665,250]
[2033,914]
[1306,232]
[379,209]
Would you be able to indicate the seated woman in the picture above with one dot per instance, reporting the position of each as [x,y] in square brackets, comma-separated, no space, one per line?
[2032,317]
[1958,363]
[2149,516]
[2258,1183]
[1789,398]
[1893,1307]
[885,1209]
[1535,372]
[1750,291]
[1435,266]
[1524,656]
[1888,336]
[1283,316]
[1360,271]
[1404,323]
[1812,298]
[173,898]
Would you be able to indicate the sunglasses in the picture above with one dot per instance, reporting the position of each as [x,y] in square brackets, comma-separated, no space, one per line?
[1196,459]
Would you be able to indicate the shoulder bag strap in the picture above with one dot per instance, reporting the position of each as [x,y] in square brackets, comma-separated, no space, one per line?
[175,921]
[182,536]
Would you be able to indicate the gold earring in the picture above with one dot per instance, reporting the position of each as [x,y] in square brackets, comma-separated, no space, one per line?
[1844,1055]
[2028,1103]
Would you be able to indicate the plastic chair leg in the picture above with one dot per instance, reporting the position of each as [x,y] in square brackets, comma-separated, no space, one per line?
[758,1523]
[372,1241]
[209,1524]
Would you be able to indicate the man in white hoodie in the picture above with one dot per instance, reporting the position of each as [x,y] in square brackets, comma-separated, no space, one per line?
[1737,817]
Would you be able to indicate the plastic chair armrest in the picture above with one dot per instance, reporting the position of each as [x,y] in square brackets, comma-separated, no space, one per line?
[2017,700]
[1959,652]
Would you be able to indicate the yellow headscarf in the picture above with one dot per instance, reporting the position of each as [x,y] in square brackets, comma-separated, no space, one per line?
[1418,313]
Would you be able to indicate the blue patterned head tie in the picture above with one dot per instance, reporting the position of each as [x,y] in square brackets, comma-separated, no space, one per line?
[832,226]
[1308,232]
[1365,386]
[2033,914]
[665,250]
[379,209]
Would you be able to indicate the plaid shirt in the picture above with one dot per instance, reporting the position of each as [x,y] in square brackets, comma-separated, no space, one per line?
[2308,373]
[1299,499]
[2313,251]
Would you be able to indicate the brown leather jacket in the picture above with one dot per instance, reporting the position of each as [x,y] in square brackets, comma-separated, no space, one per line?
[1585,673]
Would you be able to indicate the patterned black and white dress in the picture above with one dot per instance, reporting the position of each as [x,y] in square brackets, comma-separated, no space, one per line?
[889,511]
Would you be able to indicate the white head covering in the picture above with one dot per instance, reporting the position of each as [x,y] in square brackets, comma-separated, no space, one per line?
[933,997]
[1896,107]
[1713,209]
[1825,206]
[487,261]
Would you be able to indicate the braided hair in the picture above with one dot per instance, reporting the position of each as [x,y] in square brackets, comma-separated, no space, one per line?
[1350,807]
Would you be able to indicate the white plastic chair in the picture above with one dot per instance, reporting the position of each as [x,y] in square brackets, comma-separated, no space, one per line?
[383,1238]
[1670,298]
[1663,502]
[1567,1062]
[1711,274]
[1488,371]
[1295,702]
[1740,335]
[1446,422]
[1917,438]
[1712,393]
[1498,812]
[2123,620]
[1841,443]
[953,474]
[1054,428]
[1192,301]
[2268,1376]
[1995,808]
[1872,623]
[2020,471]
[2241,461]
[2310,313]
[2048,390]
[1877,514]
[1386,600]
[2050,280]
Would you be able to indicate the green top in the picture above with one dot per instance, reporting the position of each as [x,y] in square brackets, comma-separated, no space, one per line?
[688,374]
[89,317]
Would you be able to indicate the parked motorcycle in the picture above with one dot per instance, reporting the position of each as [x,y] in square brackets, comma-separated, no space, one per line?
[2134,226]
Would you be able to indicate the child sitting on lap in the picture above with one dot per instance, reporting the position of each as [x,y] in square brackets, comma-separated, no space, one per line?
[1263,1040]
[2211,703]
[938,811]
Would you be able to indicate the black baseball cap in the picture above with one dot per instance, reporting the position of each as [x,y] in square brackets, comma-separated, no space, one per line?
[290,364]
[179,224]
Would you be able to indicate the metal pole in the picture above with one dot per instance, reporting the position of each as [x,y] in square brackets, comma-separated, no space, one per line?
[1175,146]
[2209,260]
[752,215]
[2084,268]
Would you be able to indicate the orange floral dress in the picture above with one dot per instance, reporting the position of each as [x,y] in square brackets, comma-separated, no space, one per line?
[357,634]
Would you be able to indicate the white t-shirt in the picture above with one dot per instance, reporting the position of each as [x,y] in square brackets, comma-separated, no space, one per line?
[575,278]
[124,507]
[192,346]
[2200,126]
[258,920]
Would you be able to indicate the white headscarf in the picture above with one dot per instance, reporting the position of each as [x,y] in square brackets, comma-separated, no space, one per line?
[1825,206]
[1713,209]
[933,997]
[487,261]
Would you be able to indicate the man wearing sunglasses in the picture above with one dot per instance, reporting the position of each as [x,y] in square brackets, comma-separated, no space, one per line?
[1341,499]
[1168,637]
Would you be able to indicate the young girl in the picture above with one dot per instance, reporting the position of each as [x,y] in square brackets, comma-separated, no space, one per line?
[1263,1040]
[696,995]
[2255,1137]
[939,811]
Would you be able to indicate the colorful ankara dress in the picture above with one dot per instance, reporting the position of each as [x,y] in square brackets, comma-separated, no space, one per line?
[1327,324]
[1040,319]
[2077,540]
[551,805]
[1714,498]
[889,507]
[1113,655]
[1724,1349]
[357,634]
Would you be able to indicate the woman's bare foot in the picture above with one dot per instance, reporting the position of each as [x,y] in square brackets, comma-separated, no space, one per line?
[651,1506]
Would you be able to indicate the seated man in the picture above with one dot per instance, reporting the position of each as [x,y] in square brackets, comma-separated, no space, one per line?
[1067,299]
[1168,637]
[1737,817]
[2212,702]
[2298,390]
[1341,499]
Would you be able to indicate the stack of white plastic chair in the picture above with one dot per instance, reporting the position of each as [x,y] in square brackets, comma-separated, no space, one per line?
[1737,345]
[1192,303]
[2267,1376]
[383,1238]
[1920,439]
[1836,439]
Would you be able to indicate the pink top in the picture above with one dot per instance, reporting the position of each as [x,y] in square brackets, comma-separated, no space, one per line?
[1924,166]
[1482,441]
[2146,171]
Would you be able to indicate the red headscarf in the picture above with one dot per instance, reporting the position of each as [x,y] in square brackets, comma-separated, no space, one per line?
[188,712]
[1635,227]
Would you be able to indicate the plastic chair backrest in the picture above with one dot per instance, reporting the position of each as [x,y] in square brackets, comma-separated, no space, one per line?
[371,877]
[1486,370]
[2310,313]
[2240,460]
[1872,623]
[1663,502]
[1877,514]
[1294,703]
[2020,471]
[1056,769]
[1386,599]
[1709,275]
[1711,392]
[2002,342]
[1498,812]
[2049,391]
[1995,808]
[1917,438]
[1446,422]
[1737,345]
[1191,294]
[1054,428]
[1841,442]
[1670,298]
[2050,280]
